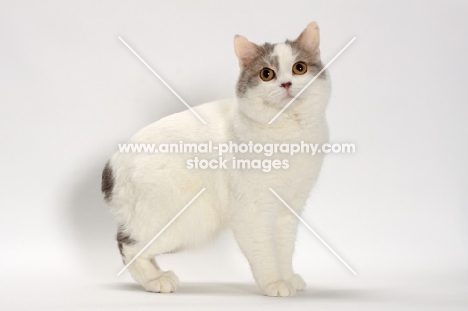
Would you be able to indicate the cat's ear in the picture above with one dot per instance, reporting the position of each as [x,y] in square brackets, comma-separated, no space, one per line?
[245,50]
[309,39]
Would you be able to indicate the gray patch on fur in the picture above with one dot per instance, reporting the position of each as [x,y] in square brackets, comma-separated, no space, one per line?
[274,62]
[314,64]
[107,183]
[123,238]
[249,77]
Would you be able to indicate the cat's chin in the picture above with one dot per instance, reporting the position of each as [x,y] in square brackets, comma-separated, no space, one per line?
[285,101]
[280,104]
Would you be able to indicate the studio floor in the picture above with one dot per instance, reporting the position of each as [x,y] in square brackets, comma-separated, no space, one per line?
[410,293]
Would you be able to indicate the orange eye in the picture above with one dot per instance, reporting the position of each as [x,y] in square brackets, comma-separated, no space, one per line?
[299,68]
[267,74]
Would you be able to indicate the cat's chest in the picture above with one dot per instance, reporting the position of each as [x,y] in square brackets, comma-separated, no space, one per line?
[294,147]
[310,133]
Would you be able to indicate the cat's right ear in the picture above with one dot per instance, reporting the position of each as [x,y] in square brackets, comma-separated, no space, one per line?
[245,50]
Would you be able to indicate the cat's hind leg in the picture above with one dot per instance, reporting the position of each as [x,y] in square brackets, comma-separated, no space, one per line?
[145,270]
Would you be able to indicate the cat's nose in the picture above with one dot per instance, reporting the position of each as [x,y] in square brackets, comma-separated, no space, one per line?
[286,85]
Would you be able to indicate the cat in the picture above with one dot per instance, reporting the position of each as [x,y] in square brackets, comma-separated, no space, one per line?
[145,191]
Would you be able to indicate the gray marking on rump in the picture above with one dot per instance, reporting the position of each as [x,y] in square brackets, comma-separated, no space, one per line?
[107,183]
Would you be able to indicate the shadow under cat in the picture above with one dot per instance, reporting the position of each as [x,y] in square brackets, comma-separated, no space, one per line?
[250,289]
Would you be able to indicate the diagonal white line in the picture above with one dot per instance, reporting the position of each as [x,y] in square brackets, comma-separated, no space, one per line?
[162,80]
[313,231]
[162,230]
[313,79]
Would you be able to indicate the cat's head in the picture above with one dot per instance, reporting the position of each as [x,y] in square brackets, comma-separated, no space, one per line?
[272,74]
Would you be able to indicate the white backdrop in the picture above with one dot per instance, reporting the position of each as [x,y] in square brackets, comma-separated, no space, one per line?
[70,91]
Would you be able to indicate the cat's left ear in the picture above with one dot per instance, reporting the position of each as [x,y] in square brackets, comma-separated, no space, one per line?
[309,39]
[245,50]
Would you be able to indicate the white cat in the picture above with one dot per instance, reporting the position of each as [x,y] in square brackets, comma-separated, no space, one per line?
[145,191]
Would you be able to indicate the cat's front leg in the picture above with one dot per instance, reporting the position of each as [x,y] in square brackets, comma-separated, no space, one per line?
[286,229]
[254,228]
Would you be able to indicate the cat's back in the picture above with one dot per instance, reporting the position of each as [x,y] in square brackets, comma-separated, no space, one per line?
[186,126]
[133,172]
[183,127]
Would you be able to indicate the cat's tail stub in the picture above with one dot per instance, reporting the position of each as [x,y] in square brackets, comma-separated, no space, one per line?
[107,183]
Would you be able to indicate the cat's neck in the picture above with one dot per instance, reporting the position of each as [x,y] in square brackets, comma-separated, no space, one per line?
[298,121]
[301,112]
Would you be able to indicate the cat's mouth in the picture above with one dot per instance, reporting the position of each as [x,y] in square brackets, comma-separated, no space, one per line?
[288,96]
[286,99]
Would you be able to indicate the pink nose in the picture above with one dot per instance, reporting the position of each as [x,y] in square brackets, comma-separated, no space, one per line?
[286,85]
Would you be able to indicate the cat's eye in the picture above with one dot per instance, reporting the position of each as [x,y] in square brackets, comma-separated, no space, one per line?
[267,74]
[299,68]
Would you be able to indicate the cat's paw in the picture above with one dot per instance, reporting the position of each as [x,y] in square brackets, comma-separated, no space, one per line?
[279,289]
[298,282]
[166,283]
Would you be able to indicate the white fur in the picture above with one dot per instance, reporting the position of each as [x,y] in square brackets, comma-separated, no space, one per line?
[150,189]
